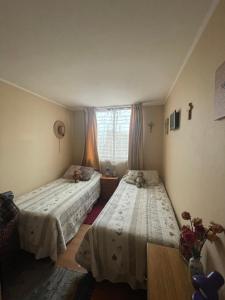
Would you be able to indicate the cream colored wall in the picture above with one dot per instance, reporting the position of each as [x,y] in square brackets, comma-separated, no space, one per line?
[153,151]
[194,155]
[152,141]
[29,150]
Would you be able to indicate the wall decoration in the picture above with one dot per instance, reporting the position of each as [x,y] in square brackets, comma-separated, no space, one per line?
[167,126]
[150,125]
[191,106]
[220,92]
[59,130]
[175,120]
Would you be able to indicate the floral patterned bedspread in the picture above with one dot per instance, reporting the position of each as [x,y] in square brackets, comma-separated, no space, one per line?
[114,248]
[51,215]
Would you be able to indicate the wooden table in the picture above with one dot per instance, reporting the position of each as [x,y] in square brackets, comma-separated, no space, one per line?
[108,186]
[168,276]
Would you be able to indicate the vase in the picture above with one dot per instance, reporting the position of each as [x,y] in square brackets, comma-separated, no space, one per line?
[195,266]
[185,252]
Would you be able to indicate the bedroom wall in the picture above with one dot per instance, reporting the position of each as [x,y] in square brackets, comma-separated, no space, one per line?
[29,150]
[152,141]
[194,155]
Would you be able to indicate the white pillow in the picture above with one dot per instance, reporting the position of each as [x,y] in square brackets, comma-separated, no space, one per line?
[151,176]
[70,171]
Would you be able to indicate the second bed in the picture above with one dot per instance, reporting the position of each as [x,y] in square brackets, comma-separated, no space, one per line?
[51,215]
[114,248]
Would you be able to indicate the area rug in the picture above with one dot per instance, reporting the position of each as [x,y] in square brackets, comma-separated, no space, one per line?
[97,208]
[25,278]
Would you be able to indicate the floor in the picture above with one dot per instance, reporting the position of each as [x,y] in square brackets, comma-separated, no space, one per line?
[108,291]
[103,290]
[67,259]
[24,277]
[97,208]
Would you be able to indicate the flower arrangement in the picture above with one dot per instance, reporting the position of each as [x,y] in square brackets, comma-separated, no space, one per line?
[194,235]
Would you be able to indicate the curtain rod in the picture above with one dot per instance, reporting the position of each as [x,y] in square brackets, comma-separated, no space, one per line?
[113,107]
[145,103]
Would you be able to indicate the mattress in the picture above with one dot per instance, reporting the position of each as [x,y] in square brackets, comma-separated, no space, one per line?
[51,215]
[114,248]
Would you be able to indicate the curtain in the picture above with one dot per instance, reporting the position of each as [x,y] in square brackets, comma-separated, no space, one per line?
[135,152]
[90,158]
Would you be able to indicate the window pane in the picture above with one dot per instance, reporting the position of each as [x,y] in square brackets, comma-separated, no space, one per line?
[113,134]
[105,135]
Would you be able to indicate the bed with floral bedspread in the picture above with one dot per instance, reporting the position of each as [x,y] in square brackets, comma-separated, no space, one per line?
[51,215]
[114,248]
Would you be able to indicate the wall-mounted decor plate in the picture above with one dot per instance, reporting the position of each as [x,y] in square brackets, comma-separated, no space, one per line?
[59,129]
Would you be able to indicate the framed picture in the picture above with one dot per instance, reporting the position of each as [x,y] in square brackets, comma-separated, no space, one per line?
[167,126]
[220,92]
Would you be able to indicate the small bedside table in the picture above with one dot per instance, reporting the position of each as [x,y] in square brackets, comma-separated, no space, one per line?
[108,186]
[168,277]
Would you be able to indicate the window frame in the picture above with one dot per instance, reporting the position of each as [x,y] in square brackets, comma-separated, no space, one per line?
[113,108]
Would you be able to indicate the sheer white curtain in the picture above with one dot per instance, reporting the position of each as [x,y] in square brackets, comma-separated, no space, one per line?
[113,138]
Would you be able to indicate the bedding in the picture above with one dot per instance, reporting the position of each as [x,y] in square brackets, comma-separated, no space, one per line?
[114,248]
[51,215]
[151,177]
[86,172]
[70,172]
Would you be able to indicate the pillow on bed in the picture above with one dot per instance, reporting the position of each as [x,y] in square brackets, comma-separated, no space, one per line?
[151,176]
[86,173]
[70,171]
[131,177]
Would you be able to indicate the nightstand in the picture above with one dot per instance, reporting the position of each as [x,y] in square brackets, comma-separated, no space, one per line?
[168,277]
[108,186]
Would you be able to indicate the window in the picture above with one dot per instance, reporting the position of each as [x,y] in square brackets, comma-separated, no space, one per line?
[113,134]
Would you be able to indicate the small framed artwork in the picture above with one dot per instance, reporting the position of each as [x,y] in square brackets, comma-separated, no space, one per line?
[220,92]
[167,126]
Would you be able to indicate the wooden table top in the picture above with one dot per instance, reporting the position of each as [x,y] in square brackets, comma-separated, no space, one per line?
[168,276]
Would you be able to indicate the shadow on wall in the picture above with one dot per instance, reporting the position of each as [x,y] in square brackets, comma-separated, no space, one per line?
[213,258]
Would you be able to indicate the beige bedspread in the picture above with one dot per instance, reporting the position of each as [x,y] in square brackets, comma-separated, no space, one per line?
[51,215]
[114,248]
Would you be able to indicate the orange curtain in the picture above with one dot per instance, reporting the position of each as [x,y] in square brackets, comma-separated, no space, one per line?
[90,158]
[135,153]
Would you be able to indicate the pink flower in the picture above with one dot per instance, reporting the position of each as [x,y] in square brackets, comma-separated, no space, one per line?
[185,227]
[186,215]
[200,229]
[188,236]
[197,221]
[193,236]
[216,228]
[211,236]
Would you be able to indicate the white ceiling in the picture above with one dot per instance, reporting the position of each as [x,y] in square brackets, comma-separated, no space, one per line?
[97,52]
